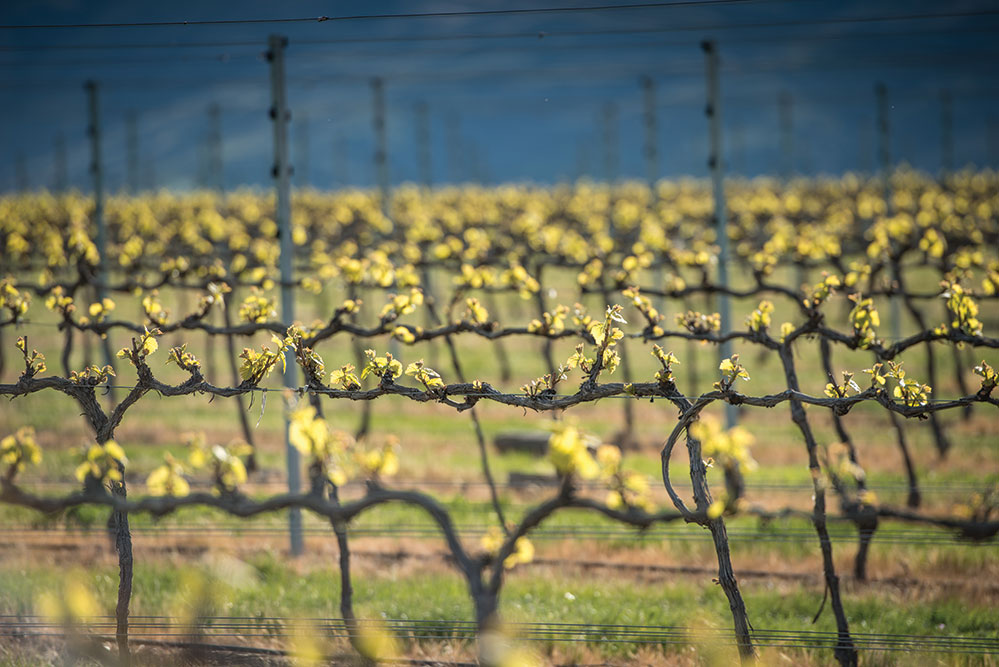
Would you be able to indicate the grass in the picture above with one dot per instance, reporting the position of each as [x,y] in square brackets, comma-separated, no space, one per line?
[267,586]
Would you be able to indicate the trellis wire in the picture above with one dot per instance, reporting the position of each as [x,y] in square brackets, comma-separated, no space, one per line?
[260,627]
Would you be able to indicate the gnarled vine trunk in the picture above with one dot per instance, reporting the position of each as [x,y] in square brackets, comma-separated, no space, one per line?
[845,651]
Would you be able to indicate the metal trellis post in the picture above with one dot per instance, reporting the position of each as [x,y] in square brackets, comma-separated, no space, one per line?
[720,210]
[215,146]
[884,153]
[946,133]
[282,180]
[423,143]
[97,171]
[61,176]
[132,151]
[651,148]
[381,142]
[786,136]
[784,118]
[609,120]
[21,172]
[341,159]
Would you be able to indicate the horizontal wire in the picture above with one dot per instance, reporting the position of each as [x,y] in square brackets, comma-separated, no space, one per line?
[665,569]
[577,632]
[468,529]
[560,632]
[682,640]
[29,480]
[553,483]
[366,17]
[227,58]
[26,322]
[293,620]
[543,35]
[897,537]
[656,638]
[388,334]
[536,628]
[310,391]
[715,26]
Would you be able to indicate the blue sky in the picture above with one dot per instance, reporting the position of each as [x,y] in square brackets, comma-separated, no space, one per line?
[504,103]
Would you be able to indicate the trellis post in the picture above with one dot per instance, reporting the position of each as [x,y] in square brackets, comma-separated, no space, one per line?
[132,151]
[60,180]
[423,144]
[650,122]
[713,112]
[884,155]
[97,172]
[946,133]
[381,141]
[282,181]
[610,139]
[215,148]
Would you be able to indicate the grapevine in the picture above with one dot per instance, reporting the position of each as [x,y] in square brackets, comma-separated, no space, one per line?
[635,254]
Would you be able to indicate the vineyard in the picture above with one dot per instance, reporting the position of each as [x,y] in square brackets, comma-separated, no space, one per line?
[848,424]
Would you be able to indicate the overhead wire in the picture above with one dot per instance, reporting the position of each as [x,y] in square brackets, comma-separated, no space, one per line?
[368,17]
[225,57]
[551,33]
